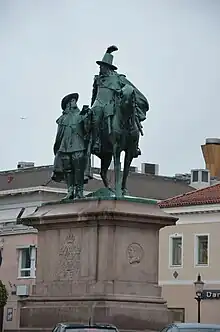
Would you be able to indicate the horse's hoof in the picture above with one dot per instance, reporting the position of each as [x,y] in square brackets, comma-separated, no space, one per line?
[125,192]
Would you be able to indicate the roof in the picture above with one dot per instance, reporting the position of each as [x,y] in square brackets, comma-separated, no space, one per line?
[140,185]
[196,326]
[88,326]
[31,190]
[208,195]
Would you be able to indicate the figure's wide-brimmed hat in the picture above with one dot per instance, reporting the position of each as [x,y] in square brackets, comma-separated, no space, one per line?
[107,59]
[67,98]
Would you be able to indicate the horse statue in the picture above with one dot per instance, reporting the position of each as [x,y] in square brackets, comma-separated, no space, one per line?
[124,136]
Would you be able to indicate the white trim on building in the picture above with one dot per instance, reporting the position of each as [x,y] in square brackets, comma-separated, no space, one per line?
[192,209]
[29,271]
[35,189]
[177,282]
[172,265]
[196,250]
[32,190]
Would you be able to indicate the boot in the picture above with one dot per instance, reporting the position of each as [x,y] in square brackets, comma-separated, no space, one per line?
[70,194]
[70,186]
[79,191]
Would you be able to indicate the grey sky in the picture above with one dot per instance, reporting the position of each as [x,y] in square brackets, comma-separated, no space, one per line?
[170,49]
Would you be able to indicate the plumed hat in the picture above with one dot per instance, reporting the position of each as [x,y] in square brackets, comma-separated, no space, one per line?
[107,59]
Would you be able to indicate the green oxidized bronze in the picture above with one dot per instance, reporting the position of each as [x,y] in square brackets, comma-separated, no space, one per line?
[71,146]
[112,125]
[118,108]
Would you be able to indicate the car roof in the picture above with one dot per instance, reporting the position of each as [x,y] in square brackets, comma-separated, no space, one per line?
[196,326]
[87,326]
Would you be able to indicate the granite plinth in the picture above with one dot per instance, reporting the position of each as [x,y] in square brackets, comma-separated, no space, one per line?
[99,258]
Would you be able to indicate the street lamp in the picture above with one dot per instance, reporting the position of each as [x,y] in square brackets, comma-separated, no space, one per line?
[199,286]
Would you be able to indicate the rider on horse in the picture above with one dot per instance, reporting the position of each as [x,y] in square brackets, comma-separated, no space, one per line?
[107,88]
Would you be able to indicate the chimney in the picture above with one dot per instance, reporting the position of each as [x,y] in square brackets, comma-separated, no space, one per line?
[25,164]
[211,154]
[148,168]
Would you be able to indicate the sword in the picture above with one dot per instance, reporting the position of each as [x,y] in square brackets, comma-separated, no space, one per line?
[88,151]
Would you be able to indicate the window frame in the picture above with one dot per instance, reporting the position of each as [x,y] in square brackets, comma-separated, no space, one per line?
[197,177]
[171,237]
[181,311]
[32,269]
[202,173]
[196,249]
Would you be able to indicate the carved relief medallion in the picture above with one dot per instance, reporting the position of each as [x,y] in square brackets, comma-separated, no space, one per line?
[69,258]
[135,253]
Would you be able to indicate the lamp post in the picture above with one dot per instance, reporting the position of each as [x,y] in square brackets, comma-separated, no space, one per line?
[199,286]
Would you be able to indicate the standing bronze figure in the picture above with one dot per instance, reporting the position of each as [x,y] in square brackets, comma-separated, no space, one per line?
[118,109]
[70,147]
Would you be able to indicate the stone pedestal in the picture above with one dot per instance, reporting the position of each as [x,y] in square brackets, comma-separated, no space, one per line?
[99,258]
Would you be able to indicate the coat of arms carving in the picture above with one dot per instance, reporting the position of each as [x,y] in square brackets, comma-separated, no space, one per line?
[69,258]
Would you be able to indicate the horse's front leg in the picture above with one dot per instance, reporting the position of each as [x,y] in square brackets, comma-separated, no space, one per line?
[105,163]
[117,169]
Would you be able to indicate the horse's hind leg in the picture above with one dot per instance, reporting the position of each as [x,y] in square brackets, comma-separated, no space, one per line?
[117,167]
[105,163]
[127,163]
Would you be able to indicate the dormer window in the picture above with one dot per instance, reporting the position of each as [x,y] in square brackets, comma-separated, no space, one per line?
[205,176]
[200,178]
[195,176]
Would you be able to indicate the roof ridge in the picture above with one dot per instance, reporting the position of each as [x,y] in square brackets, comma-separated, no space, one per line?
[176,200]
[177,196]
[17,170]
[31,189]
[190,192]
[162,177]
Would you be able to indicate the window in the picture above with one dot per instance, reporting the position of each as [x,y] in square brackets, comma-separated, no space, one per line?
[205,177]
[202,244]
[195,176]
[176,250]
[178,315]
[27,262]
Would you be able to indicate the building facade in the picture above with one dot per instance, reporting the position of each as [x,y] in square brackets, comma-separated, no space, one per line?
[18,269]
[190,248]
[18,244]
[21,192]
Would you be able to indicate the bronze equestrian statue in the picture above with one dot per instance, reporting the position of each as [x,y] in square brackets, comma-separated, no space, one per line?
[112,125]
[118,108]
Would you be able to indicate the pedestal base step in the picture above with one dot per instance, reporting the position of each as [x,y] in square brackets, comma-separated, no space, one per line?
[125,315]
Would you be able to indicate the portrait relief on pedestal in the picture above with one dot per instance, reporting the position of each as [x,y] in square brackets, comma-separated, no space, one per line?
[135,253]
[69,258]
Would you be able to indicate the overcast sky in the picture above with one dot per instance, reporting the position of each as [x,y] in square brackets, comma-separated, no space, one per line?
[170,49]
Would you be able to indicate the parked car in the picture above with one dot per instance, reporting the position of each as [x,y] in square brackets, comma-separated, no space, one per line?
[72,327]
[191,327]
